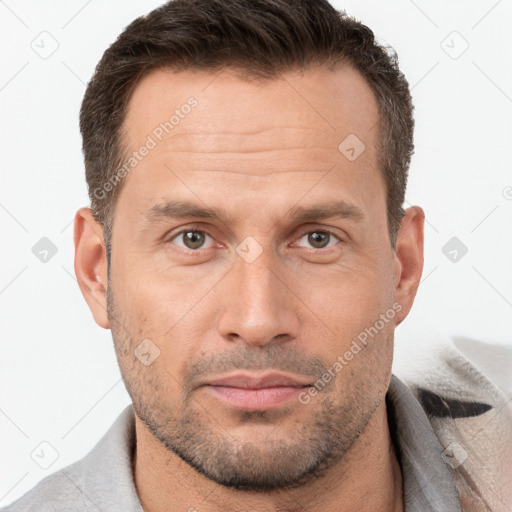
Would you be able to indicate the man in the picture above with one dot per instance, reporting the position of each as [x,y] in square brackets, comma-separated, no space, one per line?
[247,247]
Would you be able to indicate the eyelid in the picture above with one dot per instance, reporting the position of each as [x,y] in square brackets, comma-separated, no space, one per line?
[171,233]
[168,238]
[318,229]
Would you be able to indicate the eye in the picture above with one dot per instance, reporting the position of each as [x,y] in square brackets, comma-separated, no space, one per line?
[319,239]
[191,239]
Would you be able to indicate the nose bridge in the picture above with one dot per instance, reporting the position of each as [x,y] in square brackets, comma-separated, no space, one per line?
[257,305]
[257,284]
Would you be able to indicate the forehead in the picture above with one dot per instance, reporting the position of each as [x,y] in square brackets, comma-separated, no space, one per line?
[222,133]
[318,107]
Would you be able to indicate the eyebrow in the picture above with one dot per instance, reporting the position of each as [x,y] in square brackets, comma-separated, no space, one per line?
[185,209]
[340,209]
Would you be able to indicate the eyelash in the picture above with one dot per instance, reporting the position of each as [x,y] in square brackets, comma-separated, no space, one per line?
[306,232]
[323,230]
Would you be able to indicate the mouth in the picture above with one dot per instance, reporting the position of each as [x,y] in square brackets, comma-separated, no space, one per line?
[252,392]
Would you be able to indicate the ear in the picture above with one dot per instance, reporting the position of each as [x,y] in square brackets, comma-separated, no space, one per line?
[91,264]
[408,259]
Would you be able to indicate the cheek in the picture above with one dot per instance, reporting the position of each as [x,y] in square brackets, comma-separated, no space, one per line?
[174,308]
[158,296]
[350,299]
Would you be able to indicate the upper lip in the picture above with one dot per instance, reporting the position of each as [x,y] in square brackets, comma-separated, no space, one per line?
[252,381]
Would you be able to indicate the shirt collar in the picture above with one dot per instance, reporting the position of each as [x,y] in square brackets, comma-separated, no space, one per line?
[105,475]
[427,481]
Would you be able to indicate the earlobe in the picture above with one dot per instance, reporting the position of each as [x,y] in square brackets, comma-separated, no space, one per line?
[91,264]
[408,259]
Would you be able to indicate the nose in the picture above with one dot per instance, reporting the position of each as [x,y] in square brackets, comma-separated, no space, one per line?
[258,307]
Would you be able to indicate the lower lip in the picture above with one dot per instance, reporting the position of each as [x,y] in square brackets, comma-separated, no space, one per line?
[256,399]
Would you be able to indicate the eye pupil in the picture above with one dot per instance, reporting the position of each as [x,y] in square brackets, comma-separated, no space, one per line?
[193,239]
[318,240]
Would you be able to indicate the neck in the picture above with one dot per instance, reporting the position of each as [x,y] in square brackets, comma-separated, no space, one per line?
[368,478]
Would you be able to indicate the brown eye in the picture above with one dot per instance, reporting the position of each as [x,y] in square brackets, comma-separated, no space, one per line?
[319,239]
[191,239]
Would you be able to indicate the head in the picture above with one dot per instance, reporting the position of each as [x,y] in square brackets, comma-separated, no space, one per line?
[247,165]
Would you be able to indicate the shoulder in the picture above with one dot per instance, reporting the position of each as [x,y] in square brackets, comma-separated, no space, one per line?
[55,493]
[458,378]
[102,480]
[465,388]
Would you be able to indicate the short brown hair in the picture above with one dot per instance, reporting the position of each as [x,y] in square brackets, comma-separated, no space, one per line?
[262,38]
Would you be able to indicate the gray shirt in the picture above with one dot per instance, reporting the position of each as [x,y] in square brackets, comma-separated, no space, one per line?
[102,481]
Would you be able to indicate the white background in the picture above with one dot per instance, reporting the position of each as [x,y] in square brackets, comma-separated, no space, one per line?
[59,380]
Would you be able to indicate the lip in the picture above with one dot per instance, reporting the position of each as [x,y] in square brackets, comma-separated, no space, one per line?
[256,392]
[258,381]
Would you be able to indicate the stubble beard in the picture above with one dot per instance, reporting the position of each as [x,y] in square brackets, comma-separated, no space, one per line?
[299,456]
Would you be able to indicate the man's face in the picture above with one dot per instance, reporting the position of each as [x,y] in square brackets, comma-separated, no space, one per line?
[271,285]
